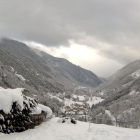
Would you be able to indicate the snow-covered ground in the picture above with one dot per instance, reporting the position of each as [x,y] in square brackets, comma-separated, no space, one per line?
[52,130]
[94,100]
[68,102]
[51,96]
[81,98]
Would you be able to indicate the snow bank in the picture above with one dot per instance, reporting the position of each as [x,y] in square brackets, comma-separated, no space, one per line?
[8,96]
[46,109]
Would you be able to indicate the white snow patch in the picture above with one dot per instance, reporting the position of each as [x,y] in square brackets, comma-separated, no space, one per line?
[56,98]
[8,96]
[80,87]
[68,102]
[45,109]
[127,84]
[20,77]
[39,108]
[134,92]
[94,100]
[12,69]
[36,110]
[81,98]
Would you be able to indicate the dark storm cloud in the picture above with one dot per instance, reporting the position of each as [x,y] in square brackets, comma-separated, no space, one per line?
[54,23]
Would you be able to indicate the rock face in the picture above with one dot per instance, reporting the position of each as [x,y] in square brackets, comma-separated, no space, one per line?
[43,71]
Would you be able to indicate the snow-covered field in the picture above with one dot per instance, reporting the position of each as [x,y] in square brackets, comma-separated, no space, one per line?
[52,130]
[94,100]
[68,102]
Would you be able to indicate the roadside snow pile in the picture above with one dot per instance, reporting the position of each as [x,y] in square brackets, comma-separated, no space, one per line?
[8,96]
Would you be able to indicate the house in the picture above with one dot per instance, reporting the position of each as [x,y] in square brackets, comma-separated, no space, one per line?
[81,109]
[75,109]
[68,108]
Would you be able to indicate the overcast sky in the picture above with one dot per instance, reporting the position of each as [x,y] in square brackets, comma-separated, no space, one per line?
[98,35]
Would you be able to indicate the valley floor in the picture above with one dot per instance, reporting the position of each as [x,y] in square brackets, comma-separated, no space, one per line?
[52,130]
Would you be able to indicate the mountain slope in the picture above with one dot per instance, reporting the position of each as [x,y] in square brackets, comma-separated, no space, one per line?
[122,76]
[67,69]
[121,93]
[43,71]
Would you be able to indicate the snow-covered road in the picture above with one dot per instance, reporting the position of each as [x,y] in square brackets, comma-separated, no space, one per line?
[52,130]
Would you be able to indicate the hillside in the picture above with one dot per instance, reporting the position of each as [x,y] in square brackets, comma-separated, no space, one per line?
[42,71]
[121,93]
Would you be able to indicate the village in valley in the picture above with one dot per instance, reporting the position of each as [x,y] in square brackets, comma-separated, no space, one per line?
[77,106]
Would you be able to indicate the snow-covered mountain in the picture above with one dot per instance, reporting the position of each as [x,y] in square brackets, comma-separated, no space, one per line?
[125,75]
[43,71]
[121,92]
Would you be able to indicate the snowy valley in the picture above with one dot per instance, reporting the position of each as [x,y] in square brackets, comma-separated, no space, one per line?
[50,98]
